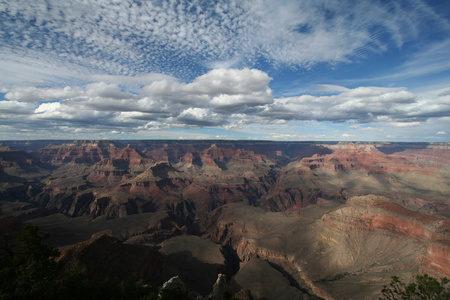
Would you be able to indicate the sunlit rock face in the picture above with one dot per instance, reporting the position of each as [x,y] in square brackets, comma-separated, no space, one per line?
[362,242]
[79,151]
[329,220]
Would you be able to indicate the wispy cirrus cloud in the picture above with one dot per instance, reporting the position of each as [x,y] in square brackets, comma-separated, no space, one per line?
[186,37]
[133,66]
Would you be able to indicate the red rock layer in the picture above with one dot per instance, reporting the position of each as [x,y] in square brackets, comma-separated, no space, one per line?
[79,152]
[367,213]
[366,157]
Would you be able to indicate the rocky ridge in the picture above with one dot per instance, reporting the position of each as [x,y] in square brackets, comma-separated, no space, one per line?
[360,243]
[299,212]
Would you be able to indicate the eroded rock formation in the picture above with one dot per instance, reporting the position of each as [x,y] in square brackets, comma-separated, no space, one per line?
[325,220]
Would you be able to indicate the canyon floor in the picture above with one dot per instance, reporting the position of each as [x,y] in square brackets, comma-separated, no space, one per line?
[282,220]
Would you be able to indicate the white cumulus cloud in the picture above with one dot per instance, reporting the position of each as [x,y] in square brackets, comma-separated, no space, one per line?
[231,99]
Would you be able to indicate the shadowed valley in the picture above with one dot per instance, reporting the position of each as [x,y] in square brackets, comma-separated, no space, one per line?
[281,220]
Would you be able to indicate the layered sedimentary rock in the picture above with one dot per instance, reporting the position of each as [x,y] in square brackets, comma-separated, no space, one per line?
[300,211]
[10,158]
[362,242]
[79,151]
[102,177]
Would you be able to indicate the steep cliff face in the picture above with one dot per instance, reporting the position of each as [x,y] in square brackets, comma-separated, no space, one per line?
[131,159]
[10,158]
[186,179]
[364,157]
[194,185]
[299,211]
[365,213]
[79,152]
[332,253]
[20,175]
[435,154]
[358,169]
[20,164]
[124,164]
[373,213]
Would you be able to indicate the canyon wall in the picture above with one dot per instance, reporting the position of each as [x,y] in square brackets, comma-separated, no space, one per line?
[329,220]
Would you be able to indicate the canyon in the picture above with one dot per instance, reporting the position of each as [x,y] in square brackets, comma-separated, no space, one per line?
[281,220]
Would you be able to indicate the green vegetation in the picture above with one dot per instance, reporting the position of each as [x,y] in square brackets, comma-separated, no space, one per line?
[28,270]
[425,288]
[335,278]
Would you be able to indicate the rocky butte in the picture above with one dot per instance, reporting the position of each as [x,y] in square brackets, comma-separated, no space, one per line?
[280,220]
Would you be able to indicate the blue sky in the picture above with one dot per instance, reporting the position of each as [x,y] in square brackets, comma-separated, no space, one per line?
[323,70]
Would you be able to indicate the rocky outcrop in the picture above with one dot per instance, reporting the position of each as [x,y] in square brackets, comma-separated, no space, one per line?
[209,179]
[186,179]
[174,288]
[297,210]
[123,165]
